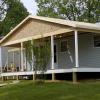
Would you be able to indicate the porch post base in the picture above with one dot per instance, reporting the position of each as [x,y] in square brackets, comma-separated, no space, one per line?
[13,77]
[17,77]
[2,78]
[33,77]
[7,78]
[74,77]
[53,76]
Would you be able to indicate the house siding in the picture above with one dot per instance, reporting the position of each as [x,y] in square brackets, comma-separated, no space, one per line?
[3,56]
[89,56]
[66,59]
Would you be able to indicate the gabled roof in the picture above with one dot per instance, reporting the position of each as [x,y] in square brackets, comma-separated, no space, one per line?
[74,24]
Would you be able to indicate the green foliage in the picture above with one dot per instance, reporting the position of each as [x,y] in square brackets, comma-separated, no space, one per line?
[77,10]
[15,13]
[41,49]
[41,53]
[27,90]
[2,9]
[28,52]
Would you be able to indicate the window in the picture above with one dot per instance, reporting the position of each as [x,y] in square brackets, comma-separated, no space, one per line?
[63,46]
[96,41]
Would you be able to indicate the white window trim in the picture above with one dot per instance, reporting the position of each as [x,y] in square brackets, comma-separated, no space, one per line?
[60,45]
[93,42]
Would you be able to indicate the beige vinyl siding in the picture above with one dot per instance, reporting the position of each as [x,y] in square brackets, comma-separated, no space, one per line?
[34,27]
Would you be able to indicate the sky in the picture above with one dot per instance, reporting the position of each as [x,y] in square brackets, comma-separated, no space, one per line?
[31,6]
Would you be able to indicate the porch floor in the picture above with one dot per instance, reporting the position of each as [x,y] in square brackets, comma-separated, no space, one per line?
[52,71]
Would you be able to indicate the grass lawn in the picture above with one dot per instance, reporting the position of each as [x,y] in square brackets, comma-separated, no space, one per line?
[27,90]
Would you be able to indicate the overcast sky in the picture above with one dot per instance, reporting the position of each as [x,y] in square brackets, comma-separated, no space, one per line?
[30,5]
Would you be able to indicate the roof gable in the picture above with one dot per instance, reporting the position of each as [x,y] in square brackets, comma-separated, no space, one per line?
[53,21]
[33,27]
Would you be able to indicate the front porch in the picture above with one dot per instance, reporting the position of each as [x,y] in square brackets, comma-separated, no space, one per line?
[63,60]
[16,63]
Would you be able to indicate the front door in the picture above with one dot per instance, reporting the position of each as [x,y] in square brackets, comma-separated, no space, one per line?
[55,56]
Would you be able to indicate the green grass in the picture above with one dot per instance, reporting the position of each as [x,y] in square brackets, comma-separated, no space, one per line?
[27,90]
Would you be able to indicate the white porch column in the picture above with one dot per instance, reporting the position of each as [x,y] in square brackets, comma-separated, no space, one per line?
[32,55]
[52,52]
[7,59]
[52,57]
[22,57]
[13,58]
[25,65]
[13,64]
[1,59]
[74,74]
[33,61]
[76,49]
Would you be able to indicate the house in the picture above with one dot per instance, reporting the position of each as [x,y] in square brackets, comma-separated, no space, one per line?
[75,46]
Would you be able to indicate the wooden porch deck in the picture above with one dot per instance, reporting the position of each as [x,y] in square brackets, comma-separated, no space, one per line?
[52,71]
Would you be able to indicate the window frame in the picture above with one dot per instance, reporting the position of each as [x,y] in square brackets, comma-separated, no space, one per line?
[95,41]
[61,46]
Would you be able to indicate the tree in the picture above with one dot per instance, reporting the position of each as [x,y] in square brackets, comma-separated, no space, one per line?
[15,13]
[41,53]
[77,10]
[2,9]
